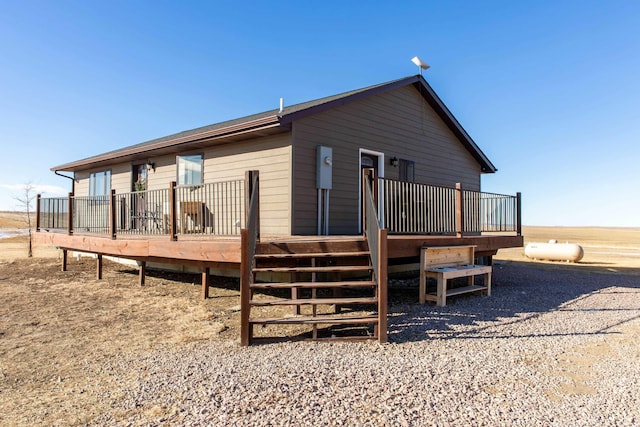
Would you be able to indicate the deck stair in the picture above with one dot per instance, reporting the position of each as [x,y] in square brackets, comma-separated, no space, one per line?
[331,289]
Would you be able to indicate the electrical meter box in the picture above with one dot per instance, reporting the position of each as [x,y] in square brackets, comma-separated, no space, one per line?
[324,165]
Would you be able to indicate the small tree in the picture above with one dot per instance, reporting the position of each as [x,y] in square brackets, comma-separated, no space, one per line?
[25,201]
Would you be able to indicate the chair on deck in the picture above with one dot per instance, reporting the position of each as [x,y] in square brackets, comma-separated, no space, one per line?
[192,217]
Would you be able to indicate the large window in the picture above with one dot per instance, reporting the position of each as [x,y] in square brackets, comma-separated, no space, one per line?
[100,183]
[407,170]
[189,169]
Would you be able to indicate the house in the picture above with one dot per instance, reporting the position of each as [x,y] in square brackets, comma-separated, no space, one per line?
[194,186]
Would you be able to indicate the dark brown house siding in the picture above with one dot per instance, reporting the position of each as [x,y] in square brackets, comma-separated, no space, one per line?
[397,123]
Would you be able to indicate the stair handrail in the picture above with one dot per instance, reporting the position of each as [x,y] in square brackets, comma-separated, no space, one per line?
[249,236]
[377,241]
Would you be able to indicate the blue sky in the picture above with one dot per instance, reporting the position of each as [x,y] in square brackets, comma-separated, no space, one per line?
[550,90]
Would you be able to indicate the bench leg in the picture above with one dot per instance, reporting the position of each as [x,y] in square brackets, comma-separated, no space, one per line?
[442,291]
[487,281]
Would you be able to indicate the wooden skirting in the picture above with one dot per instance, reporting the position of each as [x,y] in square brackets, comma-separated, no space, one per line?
[190,252]
[227,250]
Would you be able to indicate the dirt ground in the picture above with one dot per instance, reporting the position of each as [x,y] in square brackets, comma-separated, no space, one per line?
[56,329]
[59,331]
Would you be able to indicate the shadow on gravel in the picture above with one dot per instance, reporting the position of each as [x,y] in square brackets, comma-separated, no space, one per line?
[521,292]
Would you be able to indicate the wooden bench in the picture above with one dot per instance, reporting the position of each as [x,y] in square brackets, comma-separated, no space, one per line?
[448,262]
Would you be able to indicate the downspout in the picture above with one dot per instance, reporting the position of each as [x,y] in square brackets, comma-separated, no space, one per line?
[73,180]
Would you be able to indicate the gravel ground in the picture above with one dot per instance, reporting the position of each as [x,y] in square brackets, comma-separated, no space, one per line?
[550,347]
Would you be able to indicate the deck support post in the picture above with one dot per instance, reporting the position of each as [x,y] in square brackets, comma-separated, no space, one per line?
[205,283]
[142,273]
[459,211]
[519,213]
[172,212]
[99,267]
[38,212]
[70,217]
[245,289]
[64,259]
[382,285]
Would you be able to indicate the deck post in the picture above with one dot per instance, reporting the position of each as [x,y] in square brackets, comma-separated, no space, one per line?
[519,213]
[142,273]
[112,214]
[245,289]
[382,285]
[70,217]
[252,177]
[368,174]
[172,212]
[38,212]
[459,211]
[205,283]
[99,267]
[64,260]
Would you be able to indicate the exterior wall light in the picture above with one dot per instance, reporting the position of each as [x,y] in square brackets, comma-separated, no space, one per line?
[394,161]
[151,166]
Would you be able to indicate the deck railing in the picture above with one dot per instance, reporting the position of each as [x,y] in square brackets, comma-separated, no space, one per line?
[412,208]
[143,212]
[90,214]
[52,213]
[215,208]
[489,212]
[377,241]
[210,209]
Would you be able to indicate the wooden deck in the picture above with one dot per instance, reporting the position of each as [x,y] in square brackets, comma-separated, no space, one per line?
[299,265]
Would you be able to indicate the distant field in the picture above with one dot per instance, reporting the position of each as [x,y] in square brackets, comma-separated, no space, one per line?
[607,236]
[608,247]
[14,219]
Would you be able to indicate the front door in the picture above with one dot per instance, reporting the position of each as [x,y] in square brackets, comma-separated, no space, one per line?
[368,160]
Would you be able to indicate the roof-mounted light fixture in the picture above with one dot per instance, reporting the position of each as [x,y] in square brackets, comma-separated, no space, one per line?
[421,65]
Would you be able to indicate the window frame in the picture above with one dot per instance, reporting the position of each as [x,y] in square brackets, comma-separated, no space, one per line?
[407,170]
[106,183]
[190,184]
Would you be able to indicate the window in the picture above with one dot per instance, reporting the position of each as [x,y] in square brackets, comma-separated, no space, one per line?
[100,183]
[139,181]
[407,170]
[189,169]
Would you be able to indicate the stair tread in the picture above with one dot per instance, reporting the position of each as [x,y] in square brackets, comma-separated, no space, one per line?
[330,319]
[285,285]
[328,269]
[316,301]
[313,255]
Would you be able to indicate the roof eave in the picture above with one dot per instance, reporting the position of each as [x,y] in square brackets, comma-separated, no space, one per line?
[261,124]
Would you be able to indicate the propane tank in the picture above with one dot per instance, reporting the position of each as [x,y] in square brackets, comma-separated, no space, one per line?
[554,251]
